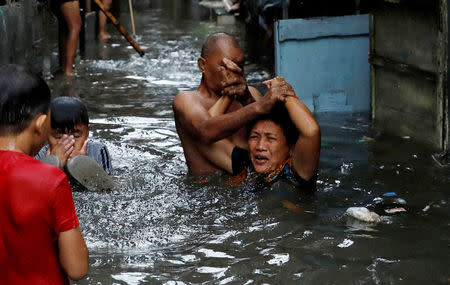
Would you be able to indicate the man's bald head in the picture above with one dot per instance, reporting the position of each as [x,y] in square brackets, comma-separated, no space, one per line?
[211,43]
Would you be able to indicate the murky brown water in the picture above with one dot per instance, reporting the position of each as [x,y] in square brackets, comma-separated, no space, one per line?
[160,227]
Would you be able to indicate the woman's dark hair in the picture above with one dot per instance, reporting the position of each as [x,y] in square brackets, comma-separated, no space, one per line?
[68,112]
[23,95]
[280,116]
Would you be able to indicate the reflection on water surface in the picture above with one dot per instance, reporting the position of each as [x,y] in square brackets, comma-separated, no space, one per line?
[162,227]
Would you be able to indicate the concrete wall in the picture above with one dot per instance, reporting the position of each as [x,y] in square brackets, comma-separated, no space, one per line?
[408,58]
[28,35]
[325,60]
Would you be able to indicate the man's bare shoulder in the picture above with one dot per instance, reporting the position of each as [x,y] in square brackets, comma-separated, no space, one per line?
[186,95]
[183,98]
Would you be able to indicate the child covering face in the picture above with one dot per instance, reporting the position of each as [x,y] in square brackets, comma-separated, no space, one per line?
[69,134]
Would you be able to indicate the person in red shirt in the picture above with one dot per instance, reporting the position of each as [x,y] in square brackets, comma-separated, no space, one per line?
[40,238]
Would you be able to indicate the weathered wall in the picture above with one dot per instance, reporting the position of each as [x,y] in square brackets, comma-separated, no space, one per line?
[325,60]
[28,35]
[409,70]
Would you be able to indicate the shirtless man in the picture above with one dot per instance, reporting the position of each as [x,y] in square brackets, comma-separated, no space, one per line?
[221,64]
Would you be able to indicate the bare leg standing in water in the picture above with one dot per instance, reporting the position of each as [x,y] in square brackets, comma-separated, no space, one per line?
[103,35]
[69,31]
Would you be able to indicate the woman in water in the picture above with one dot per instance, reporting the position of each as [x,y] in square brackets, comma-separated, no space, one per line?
[284,144]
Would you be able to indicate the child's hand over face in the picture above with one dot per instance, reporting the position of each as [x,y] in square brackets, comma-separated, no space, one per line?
[81,151]
[62,149]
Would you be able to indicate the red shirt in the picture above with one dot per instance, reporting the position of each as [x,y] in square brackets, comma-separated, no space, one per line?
[35,206]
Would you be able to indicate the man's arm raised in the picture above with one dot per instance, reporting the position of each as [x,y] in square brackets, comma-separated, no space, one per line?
[196,120]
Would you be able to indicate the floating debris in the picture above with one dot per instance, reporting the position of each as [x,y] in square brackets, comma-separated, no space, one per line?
[394,210]
[363,214]
[346,243]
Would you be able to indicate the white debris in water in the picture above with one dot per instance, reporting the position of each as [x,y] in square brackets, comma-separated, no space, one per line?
[115,45]
[218,272]
[279,259]
[130,278]
[427,207]
[346,243]
[216,254]
[363,214]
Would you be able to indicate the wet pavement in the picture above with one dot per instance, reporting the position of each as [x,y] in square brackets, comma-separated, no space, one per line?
[162,227]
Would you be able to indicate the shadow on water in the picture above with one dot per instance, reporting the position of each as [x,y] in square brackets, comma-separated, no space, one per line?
[162,227]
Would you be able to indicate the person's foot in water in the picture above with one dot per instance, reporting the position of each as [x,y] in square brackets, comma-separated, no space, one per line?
[103,35]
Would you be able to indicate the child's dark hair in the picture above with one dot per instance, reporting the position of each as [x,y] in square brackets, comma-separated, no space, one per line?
[280,116]
[23,95]
[66,113]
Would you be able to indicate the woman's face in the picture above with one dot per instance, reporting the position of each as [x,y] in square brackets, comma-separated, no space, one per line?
[268,146]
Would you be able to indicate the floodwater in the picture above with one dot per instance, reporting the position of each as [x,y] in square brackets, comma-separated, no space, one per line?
[162,227]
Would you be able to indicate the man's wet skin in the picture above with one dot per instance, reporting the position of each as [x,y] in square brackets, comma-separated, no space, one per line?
[222,75]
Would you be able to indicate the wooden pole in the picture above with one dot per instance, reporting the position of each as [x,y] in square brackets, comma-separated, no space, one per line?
[120,28]
[132,17]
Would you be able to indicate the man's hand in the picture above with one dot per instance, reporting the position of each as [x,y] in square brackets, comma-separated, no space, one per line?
[63,149]
[277,91]
[234,84]
[81,151]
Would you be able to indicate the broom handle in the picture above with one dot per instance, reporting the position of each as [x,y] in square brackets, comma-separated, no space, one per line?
[120,28]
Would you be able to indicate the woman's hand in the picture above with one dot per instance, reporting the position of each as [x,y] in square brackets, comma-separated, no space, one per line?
[279,86]
[277,91]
